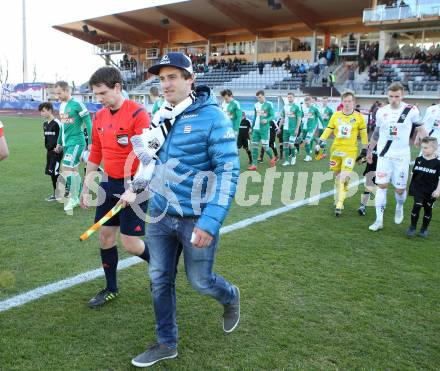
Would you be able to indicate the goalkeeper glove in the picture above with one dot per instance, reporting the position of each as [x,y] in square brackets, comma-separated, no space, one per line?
[362,156]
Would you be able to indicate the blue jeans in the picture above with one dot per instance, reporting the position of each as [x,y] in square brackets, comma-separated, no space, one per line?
[163,238]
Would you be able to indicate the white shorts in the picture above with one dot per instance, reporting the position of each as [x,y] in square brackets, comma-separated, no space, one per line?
[394,170]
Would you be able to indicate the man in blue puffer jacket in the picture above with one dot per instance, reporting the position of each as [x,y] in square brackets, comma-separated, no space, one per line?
[193,185]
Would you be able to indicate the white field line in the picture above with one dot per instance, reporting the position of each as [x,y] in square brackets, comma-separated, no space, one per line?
[35,294]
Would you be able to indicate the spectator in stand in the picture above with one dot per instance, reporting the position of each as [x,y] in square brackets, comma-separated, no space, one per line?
[322,62]
[310,77]
[351,77]
[362,62]
[274,63]
[316,73]
[407,82]
[374,75]
[260,67]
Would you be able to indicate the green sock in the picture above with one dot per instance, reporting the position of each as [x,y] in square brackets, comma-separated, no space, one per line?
[254,155]
[308,147]
[75,185]
[269,153]
[286,152]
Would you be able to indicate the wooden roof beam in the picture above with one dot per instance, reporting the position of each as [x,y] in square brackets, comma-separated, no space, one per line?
[154,31]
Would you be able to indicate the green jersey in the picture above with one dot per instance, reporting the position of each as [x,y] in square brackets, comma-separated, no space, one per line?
[326,114]
[73,115]
[263,111]
[290,113]
[157,105]
[309,117]
[233,111]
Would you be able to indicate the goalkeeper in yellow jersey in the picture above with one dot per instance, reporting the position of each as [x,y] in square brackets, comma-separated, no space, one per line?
[346,125]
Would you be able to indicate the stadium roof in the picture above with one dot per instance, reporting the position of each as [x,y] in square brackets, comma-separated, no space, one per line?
[216,20]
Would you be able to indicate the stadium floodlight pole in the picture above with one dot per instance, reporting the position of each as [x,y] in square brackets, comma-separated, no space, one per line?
[25,74]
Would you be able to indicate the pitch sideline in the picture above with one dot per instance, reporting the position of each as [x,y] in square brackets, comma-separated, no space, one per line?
[39,292]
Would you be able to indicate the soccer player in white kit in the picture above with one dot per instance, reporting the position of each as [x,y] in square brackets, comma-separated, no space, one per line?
[431,121]
[395,124]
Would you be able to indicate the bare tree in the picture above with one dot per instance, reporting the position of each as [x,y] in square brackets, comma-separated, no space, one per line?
[35,73]
[4,72]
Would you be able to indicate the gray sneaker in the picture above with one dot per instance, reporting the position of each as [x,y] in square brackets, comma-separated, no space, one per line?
[153,354]
[231,314]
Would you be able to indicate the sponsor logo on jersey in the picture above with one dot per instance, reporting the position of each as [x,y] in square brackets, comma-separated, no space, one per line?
[332,163]
[229,134]
[122,139]
[187,129]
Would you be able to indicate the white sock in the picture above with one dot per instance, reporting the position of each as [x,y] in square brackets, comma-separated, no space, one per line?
[381,201]
[400,199]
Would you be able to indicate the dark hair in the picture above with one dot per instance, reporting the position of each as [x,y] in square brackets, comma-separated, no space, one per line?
[259,92]
[154,91]
[45,105]
[290,93]
[226,92]
[186,74]
[428,140]
[108,76]
[62,84]
[396,86]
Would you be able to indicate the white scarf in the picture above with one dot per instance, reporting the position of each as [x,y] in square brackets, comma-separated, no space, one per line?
[146,145]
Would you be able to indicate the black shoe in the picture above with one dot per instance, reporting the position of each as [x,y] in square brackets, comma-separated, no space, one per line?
[362,211]
[411,231]
[423,233]
[153,354]
[231,314]
[338,212]
[101,298]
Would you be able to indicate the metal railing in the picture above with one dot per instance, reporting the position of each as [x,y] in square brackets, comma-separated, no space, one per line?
[424,9]
[109,48]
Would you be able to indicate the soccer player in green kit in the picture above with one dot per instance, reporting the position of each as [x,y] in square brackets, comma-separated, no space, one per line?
[326,114]
[309,122]
[73,115]
[232,109]
[290,122]
[156,99]
[264,114]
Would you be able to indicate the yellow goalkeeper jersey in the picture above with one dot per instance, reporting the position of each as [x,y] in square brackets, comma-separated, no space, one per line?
[346,129]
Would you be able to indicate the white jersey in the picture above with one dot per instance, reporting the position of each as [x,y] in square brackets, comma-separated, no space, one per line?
[432,121]
[393,136]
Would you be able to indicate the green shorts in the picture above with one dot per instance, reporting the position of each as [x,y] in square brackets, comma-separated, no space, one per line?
[260,136]
[72,155]
[289,136]
[306,134]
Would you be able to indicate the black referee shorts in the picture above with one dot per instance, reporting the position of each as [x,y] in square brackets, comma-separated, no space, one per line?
[130,220]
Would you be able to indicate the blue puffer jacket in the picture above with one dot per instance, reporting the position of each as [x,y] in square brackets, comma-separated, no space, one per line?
[199,166]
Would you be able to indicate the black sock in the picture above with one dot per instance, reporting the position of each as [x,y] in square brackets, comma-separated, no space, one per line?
[415,214]
[275,151]
[54,182]
[109,258]
[262,153]
[281,151]
[249,153]
[146,254]
[428,214]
